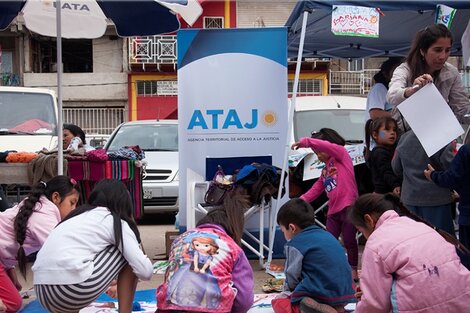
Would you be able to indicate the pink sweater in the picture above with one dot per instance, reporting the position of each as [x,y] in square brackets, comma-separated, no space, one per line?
[44,218]
[409,267]
[337,178]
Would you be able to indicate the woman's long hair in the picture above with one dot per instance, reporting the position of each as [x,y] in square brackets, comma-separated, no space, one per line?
[424,39]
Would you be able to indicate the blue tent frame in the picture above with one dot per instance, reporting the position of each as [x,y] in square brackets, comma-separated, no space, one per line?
[401,20]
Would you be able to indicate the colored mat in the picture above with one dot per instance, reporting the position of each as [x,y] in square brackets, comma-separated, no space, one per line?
[146,299]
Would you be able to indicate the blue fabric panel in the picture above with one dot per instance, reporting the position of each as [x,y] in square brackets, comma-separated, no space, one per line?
[401,20]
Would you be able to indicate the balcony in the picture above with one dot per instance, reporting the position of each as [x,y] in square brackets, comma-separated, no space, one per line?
[152,50]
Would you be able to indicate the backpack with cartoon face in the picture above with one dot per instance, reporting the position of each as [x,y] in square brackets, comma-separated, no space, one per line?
[199,278]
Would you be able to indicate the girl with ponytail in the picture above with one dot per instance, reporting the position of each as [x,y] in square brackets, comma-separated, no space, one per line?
[25,227]
[407,264]
[109,246]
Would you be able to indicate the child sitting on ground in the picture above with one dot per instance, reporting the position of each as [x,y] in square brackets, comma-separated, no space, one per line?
[407,266]
[24,229]
[93,245]
[318,276]
[208,270]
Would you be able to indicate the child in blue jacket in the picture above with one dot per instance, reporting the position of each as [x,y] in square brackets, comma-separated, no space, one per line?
[457,177]
[318,276]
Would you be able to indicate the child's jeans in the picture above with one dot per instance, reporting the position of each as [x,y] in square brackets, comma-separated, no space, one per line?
[338,224]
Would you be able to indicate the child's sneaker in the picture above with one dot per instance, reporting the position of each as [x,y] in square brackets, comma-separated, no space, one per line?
[308,305]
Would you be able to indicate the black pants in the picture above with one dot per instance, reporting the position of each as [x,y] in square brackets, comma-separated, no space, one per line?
[3,201]
[464,238]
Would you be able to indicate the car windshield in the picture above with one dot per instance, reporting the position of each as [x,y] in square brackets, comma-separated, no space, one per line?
[348,123]
[27,113]
[149,137]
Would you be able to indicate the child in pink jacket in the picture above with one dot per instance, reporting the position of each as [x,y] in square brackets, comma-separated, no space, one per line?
[338,181]
[407,266]
[25,227]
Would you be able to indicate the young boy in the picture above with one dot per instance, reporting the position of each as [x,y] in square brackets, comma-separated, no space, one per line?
[318,276]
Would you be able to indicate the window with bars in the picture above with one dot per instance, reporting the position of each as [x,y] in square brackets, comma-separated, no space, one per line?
[148,88]
[307,87]
[213,22]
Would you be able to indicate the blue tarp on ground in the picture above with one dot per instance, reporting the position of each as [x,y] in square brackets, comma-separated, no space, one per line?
[401,20]
[140,295]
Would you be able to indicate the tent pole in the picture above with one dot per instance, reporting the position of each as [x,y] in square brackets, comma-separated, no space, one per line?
[60,151]
[290,117]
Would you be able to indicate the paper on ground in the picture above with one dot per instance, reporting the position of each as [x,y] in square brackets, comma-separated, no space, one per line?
[431,118]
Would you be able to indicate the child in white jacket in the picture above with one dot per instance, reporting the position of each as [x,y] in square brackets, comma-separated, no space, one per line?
[88,249]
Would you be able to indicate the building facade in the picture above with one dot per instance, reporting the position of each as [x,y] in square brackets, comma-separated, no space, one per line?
[110,79]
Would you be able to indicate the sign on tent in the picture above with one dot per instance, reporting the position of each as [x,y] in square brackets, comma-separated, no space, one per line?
[355,21]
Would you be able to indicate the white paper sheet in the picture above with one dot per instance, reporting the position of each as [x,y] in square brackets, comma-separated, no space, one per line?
[431,118]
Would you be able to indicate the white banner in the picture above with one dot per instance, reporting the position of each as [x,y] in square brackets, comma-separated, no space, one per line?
[355,21]
[232,99]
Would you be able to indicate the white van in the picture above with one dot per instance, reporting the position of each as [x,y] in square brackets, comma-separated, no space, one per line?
[28,119]
[345,114]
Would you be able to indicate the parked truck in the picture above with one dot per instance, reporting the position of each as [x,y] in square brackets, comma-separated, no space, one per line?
[28,123]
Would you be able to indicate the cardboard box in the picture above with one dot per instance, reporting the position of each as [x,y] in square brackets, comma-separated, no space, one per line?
[169,237]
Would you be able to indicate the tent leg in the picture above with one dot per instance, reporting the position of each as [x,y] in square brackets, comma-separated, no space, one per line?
[272,231]
[60,152]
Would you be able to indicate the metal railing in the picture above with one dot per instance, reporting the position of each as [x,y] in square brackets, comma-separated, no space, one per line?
[95,120]
[351,82]
[360,82]
[152,50]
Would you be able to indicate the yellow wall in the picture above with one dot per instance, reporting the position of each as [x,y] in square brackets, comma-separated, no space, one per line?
[227,14]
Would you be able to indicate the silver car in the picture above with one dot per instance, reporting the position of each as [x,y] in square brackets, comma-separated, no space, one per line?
[159,140]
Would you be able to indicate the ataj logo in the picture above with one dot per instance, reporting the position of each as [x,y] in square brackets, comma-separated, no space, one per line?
[225,119]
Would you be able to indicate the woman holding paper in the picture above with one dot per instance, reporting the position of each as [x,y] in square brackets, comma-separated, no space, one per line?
[427,62]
